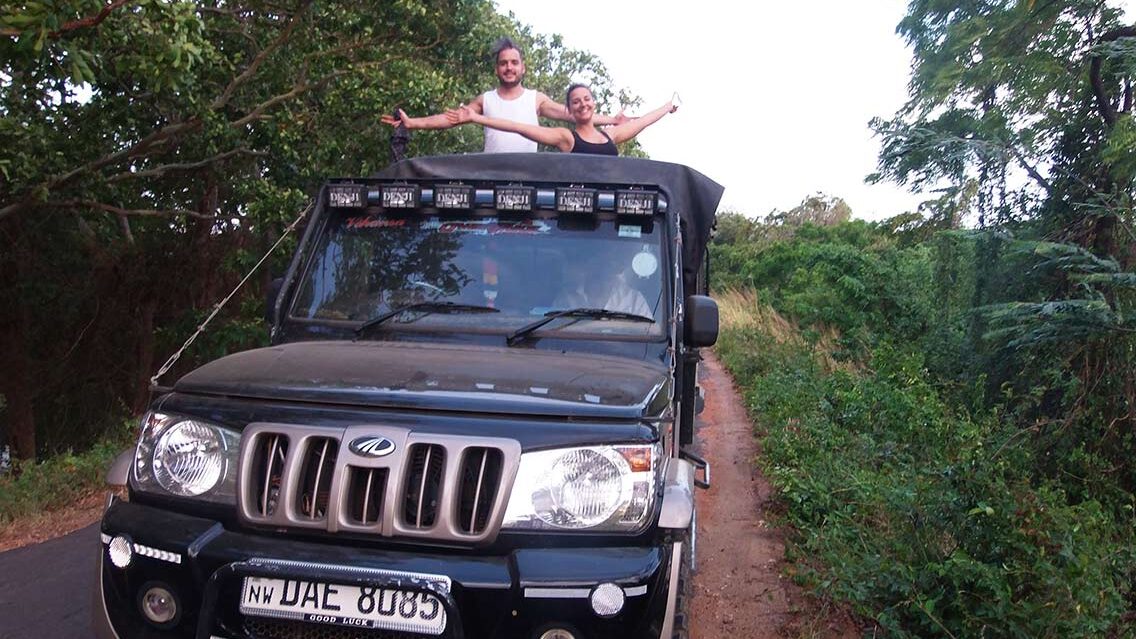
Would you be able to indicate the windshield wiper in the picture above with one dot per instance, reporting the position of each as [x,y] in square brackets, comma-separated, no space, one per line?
[589,313]
[428,307]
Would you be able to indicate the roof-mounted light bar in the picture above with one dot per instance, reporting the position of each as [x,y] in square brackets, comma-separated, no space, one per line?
[453,196]
[347,196]
[633,201]
[514,198]
[401,196]
[638,202]
[576,200]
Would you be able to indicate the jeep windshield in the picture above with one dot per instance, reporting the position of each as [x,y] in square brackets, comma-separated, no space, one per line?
[486,275]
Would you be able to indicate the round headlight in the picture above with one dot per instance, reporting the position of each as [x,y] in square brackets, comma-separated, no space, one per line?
[189,458]
[583,488]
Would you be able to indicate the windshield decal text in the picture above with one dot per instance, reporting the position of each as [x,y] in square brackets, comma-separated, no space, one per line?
[367,222]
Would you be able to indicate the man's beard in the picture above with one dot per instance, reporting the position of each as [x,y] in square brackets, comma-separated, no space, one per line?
[509,84]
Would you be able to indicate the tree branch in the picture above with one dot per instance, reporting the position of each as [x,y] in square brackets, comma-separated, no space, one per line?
[171,132]
[160,171]
[124,224]
[1104,104]
[161,136]
[124,213]
[258,111]
[253,66]
[1033,173]
[81,23]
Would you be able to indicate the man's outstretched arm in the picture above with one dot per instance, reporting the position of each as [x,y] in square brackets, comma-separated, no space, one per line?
[436,121]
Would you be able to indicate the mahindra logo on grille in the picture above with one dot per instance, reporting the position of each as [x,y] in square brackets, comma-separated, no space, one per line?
[372,446]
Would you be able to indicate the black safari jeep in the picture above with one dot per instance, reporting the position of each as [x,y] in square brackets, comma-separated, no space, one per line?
[474,420]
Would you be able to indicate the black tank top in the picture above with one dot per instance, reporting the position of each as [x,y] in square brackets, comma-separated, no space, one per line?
[603,148]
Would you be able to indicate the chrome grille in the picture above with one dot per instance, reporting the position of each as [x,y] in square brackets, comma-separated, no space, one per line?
[424,485]
[268,460]
[365,490]
[317,470]
[480,477]
[429,486]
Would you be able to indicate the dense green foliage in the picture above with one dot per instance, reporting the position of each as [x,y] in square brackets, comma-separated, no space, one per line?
[922,494]
[953,429]
[155,149]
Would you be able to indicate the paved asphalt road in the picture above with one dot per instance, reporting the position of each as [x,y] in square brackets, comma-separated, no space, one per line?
[46,589]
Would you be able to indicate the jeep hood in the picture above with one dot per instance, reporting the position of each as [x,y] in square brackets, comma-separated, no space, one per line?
[439,377]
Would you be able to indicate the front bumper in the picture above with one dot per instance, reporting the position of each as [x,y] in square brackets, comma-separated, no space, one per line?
[518,594]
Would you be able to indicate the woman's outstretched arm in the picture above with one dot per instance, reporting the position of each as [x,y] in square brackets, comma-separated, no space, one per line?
[558,137]
[627,130]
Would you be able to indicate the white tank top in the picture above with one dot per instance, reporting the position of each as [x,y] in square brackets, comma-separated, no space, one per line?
[523,109]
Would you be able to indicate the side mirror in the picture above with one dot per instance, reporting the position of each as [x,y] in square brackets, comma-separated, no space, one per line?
[270,299]
[701,321]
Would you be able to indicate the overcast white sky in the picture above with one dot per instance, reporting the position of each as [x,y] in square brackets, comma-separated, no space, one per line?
[776,96]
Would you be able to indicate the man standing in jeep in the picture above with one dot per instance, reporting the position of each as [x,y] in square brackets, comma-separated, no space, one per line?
[509,101]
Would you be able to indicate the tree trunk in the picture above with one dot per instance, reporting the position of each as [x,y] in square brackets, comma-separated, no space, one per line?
[15,366]
[202,242]
[18,395]
[144,357]
[1104,236]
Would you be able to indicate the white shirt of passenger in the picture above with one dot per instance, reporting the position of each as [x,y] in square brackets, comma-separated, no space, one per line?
[522,109]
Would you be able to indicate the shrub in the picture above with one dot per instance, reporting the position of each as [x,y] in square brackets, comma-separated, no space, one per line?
[924,516]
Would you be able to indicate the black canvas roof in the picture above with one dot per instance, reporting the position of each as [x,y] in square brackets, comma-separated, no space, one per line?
[693,196]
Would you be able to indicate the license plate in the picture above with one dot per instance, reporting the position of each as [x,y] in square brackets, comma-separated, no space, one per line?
[344,605]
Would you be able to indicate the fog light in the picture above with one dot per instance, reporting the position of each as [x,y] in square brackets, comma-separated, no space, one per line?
[557,633]
[120,551]
[607,600]
[159,605]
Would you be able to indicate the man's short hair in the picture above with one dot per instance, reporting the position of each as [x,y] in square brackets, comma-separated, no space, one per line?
[504,44]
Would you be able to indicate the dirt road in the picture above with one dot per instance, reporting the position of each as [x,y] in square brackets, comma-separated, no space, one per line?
[739,587]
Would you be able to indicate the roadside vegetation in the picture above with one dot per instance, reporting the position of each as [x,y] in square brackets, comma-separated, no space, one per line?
[36,488]
[933,500]
[947,399]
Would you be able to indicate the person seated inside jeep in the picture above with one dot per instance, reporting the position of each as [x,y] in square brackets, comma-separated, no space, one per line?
[600,283]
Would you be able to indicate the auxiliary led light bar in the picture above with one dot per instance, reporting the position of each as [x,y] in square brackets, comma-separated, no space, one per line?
[122,550]
[453,196]
[401,196]
[509,198]
[576,200]
[347,196]
[636,202]
[514,198]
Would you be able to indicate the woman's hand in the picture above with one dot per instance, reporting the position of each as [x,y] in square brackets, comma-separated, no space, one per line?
[461,115]
[402,119]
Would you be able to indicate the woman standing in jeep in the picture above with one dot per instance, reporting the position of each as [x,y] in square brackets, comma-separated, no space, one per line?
[586,138]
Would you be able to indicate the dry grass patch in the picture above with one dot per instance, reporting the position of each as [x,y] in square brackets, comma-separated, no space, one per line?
[740,309]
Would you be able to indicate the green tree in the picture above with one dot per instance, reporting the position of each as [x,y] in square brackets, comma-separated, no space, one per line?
[1028,106]
[155,148]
